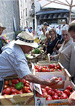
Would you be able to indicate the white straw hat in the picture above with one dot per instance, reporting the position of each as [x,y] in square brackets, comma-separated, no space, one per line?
[26,38]
[1,26]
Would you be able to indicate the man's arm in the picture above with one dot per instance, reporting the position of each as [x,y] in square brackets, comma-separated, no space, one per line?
[38,80]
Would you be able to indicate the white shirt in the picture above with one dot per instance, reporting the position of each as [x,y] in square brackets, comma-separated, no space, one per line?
[13,61]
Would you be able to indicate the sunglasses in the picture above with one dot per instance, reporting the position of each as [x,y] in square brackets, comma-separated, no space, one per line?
[65,34]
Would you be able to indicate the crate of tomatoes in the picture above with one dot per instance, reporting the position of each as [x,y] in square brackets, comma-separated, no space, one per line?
[16,91]
[53,69]
[58,95]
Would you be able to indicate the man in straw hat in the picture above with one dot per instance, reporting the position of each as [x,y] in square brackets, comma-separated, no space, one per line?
[13,61]
[2,41]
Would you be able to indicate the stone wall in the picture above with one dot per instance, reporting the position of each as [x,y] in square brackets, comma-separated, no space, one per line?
[9,17]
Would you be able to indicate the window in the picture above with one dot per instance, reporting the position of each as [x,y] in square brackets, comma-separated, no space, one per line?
[26,11]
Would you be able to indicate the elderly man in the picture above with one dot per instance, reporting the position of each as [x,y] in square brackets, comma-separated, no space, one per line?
[13,61]
[71,30]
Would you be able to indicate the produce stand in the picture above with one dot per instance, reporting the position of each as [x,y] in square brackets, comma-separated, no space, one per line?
[63,73]
[58,102]
[18,99]
[31,99]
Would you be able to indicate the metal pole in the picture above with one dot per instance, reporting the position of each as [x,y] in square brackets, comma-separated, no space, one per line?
[70,12]
[35,17]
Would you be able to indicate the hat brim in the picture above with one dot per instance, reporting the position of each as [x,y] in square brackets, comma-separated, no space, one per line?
[3,28]
[19,42]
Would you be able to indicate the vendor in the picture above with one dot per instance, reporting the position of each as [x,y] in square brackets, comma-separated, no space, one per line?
[13,61]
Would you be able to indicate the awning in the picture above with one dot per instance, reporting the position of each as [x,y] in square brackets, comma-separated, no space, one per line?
[51,12]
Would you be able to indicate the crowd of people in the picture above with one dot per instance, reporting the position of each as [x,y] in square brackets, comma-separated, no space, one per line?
[60,44]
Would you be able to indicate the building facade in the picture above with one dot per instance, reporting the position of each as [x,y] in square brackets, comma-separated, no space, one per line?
[27,12]
[9,17]
[52,16]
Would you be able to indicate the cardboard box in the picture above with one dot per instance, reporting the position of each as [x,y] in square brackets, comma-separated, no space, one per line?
[60,102]
[64,73]
[17,100]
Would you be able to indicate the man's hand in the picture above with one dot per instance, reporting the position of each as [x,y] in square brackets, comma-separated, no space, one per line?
[38,80]
[53,81]
[71,99]
[51,57]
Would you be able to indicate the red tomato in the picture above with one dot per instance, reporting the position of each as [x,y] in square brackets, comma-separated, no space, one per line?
[69,87]
[19,92]
[29,91]
[13,93]
[6,82]
[67,91]
[47,79]
[59,70]
[63,96]
[47,88]
[48,97]
[43,90]
[60,79]
[44,66]
[36,66]
[44,94]
[39,68]
[58,67]
[23,81]
[15,81]
[36,70]
[55,90]
[13,85]
[52,66]
[8,91]
[52,70]
[55,97]
[43,70]
[53,93]
[13,90]
[19,79]
[59,93]
[50,92]
[25,89]
[39,95]
[10,82]
[26,84]
[47,70]
[5,86]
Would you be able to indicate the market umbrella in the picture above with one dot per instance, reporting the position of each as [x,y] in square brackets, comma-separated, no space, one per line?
[61,4]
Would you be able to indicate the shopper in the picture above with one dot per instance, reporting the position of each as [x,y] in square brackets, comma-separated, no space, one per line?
[65,54]
[51,41]
[72,66]
[2,41]
[13,61]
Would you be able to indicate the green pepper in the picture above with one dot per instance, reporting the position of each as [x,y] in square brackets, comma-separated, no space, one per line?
[37,51]
[19,85]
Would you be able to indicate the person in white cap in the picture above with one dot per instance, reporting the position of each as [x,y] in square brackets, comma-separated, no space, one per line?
[13,61]
[2,41]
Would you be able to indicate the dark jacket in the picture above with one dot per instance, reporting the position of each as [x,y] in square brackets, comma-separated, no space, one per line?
[51,45]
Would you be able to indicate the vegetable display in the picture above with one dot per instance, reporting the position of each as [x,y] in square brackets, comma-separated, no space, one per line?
[50,68]
[16,86]
[54,94]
